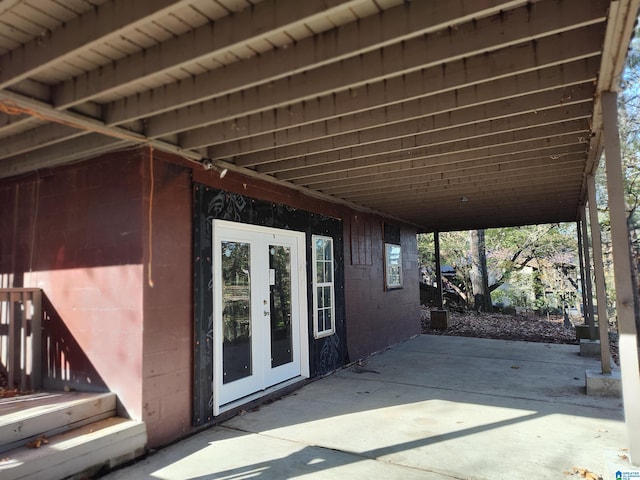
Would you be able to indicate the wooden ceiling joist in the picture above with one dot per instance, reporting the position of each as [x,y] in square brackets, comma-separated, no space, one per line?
[398,107]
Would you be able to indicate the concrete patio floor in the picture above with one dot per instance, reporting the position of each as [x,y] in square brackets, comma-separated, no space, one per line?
[430,408]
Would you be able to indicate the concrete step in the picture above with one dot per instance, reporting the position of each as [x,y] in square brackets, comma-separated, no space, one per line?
[22,419]
[77,453]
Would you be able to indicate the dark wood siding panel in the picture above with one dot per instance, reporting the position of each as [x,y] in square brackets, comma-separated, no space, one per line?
[360,239]
[377,318]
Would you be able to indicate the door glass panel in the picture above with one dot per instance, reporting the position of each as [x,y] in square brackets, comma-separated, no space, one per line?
[236,311]
[280,305]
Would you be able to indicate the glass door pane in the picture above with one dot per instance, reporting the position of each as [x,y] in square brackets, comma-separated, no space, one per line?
[258,275]
[236,311]
[280,305]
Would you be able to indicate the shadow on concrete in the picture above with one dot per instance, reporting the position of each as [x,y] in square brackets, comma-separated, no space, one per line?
[432,407]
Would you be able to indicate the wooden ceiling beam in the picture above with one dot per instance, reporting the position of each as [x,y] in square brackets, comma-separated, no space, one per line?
[528,180]
[70,150]
[525,180]
[83,123]
[552,148]
[450,219]
[354,131]
[575,131]
[7,120]
[258,22]
[82,33]
[12,124]
[394,25]
[500,213]
[555,178]
[475,169]
[434,130]
[337,114]
[544,196]
[37,138]
[398,77]
[401,177]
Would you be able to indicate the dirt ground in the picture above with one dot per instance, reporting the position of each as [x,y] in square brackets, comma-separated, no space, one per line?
[521,327]
[6,391]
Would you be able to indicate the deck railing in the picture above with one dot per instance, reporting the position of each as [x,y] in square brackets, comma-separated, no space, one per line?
[21,337]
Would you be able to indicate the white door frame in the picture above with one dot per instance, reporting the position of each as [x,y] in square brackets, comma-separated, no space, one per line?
[226,230]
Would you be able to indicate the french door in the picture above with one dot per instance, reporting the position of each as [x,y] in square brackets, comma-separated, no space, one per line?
[259,324]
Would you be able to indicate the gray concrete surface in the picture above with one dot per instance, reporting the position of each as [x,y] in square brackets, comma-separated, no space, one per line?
[598,383]
[589,348]
[430,408]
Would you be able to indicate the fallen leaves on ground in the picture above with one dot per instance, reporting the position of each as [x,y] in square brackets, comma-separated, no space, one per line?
[524,327]
[13,392]
[9,392]
[584,473]
[38,442]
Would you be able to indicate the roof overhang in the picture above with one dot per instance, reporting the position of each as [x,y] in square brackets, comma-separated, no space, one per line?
[446,115]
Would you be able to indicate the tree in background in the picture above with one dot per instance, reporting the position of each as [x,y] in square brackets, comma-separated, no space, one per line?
[629,124]
[454,253]
[531,266]
[629,127]
[479,272]
[537,266]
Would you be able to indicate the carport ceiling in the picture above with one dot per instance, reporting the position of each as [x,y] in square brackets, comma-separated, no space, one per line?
[446,114]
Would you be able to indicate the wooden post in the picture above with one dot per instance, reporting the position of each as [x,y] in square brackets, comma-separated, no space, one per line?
[436,244]
[24,340]
[628,343]
[598,272]
[36,341]
[582,276]
[588,314]
[12,363]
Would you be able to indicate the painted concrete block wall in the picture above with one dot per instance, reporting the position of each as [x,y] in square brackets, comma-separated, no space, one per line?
[76,233]
[376,317]
[83,233]
[168,301]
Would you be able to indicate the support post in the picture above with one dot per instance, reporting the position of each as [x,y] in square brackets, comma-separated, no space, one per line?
[628,343]
[436,245]
[439,316]
[598,273]
[587,275]
[582,276]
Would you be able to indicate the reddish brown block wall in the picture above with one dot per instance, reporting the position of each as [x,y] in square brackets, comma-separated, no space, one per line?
[75,232]
[168,304]
[376,317]
[85,233]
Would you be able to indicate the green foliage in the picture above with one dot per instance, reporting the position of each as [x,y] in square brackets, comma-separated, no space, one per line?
[629,125]
[629,128]
[531,266]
